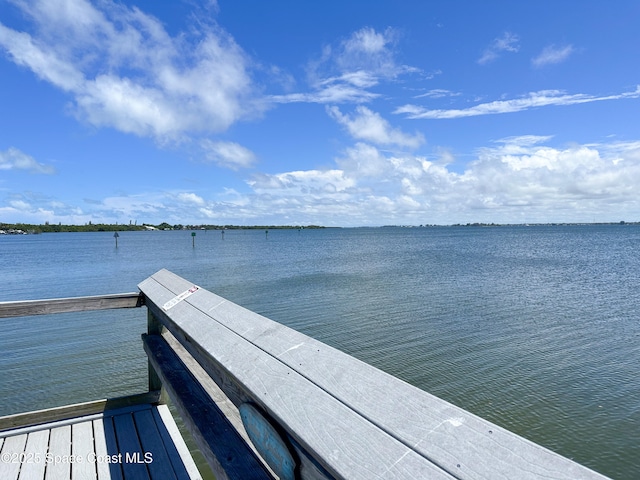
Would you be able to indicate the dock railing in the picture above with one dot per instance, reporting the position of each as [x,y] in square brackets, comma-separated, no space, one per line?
[312,411]
[262,400]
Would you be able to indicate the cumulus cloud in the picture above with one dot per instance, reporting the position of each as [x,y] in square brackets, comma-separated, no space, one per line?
[552,54]
[307,182]
[228,154]
[515,179]
[14,159]
[370,126]
[523,171]
[192,198]
[508,42]
[125,71]
[541,98]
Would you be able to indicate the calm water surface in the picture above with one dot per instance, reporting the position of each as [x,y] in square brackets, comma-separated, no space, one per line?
[533,328]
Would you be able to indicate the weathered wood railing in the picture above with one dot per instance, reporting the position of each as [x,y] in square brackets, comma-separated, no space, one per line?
[74,304]
[313,411]
[262,399]
[66,305]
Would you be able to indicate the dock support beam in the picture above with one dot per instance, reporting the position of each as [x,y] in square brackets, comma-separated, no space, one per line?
[155,327]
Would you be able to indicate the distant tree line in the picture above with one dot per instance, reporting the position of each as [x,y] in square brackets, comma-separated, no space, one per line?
[107,227]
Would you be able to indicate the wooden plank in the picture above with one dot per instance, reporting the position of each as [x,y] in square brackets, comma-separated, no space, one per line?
[71,304]
[226,406]
[109,465]
[12,422]
[133,466]
[225,451]
[10,463]
[459,442]
[341,441]
[82,447]
[154,451]
[177,450]
[59,467]
[36,450]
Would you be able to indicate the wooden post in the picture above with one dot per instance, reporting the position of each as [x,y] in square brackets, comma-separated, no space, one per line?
[154,327]
[193,239]
[115,235]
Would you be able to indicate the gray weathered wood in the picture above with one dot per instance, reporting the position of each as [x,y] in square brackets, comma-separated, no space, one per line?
[72,304]
[226,406]
[82,445]
[344,443]
[82,437]
[225,451]
[215,330]
[11,422]
[36,448]
[10,464]
[59,447]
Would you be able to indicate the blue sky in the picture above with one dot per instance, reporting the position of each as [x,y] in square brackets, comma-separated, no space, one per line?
[334,113]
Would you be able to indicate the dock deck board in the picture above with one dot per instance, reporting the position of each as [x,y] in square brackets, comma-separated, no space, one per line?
[79,448]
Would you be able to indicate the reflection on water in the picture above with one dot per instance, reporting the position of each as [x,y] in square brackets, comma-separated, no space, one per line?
[535,329]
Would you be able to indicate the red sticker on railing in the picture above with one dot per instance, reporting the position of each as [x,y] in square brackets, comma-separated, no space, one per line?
[179,298]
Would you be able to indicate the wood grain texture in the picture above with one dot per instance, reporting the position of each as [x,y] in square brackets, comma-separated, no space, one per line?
[72,412]
[291,375]
[37,445]
[59,447]
[344,443]
[11,448]
[82,445]
[119,438]
[73,304]
[225,451]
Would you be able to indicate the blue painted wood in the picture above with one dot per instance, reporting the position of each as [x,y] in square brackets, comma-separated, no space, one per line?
[269,443]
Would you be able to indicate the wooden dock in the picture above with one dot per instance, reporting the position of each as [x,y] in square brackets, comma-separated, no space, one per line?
[265,401]
[135,442]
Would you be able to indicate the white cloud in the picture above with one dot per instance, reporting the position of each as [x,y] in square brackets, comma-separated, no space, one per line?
[14,159]
[191,198]
[347,72]
[515,179]
[344,89]
[438,93]
[308,182]
[363,161]
[370,126]
[228,154]
[532,100]
[126,72]
[368,50]
[552,54]
[508,42]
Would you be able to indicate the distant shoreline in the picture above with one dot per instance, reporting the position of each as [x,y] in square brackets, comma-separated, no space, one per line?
[25,228]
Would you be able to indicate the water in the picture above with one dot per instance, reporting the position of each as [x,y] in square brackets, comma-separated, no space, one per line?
[534,328]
